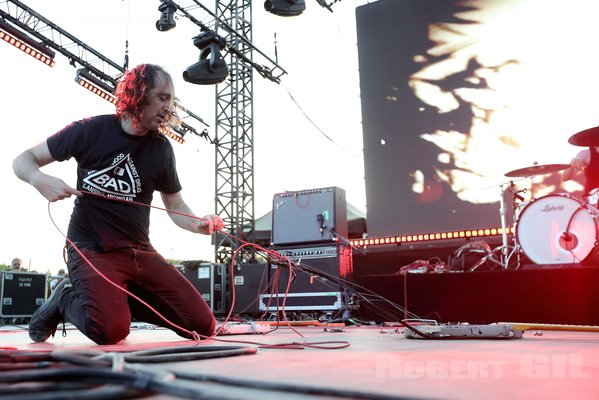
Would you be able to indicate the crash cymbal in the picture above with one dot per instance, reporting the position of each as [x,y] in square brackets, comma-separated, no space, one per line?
[537,170]
[588,137]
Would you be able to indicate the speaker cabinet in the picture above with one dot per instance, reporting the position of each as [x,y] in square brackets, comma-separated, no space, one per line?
[21,293]
[309,216]
[311,290]
[211,281]
[249,281]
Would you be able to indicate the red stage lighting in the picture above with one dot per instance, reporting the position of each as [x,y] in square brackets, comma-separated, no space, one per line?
[424,237]
[95,85]
[176,137]
[27,45]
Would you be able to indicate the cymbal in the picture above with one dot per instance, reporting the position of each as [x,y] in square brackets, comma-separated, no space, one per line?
[537,170]
[587,138]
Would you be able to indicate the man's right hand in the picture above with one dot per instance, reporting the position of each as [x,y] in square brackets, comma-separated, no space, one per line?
[27,168]
[52,188]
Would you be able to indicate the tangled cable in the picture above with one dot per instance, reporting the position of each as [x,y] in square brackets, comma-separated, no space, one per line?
[85,375]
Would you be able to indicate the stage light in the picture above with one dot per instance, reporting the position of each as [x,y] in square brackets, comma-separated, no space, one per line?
[167,16]
[177,137]
[208,71]
[176,129]
[285,8]
[398,240]
[24,43]
[95,85]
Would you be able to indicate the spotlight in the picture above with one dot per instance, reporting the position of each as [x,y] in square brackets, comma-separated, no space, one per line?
[285,8]
[167,16]
[208,71]
[95,85]
[21,41]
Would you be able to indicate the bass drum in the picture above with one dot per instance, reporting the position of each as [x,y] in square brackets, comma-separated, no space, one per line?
[558,229]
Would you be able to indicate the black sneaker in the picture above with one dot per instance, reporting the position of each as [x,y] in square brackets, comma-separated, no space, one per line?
[46,318]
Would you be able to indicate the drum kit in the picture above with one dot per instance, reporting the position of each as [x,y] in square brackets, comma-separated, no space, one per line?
[556,228]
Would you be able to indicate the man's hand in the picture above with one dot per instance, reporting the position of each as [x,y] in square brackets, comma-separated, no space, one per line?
[578,163]
[209,224]
[53,188]
[27,168]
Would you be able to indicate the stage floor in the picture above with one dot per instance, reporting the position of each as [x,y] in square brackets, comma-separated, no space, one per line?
[378,362]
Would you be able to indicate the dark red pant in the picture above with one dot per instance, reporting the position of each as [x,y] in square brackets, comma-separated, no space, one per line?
[103,312]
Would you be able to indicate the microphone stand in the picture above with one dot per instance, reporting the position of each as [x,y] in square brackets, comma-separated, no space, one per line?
[341,238]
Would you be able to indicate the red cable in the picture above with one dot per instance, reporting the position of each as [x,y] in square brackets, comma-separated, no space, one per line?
[195,335]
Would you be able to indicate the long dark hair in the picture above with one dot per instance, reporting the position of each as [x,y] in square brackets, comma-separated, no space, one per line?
[133,90]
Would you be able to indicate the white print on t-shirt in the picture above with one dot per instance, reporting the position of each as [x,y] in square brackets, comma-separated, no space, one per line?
[119,180]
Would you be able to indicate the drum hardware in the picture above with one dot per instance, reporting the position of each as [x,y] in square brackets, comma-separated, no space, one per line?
[593,197]
[520,207]
[586,138]
[507,250]
[536,169]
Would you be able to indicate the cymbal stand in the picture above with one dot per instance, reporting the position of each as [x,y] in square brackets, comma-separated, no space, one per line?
[505,247]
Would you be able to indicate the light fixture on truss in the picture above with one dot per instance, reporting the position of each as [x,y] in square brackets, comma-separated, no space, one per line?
[167,16]
[174,134]
[23,42]
[95,85]
[285,8]
[211,68]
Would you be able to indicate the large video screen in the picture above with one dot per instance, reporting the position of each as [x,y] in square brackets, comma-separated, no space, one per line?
[458,94]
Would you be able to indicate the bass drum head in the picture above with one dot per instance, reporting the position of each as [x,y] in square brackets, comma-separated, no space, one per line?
[541,230]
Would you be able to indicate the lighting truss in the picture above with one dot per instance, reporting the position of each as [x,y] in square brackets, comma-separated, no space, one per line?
[26,44]
[104,89]
[270,70]
[98,74]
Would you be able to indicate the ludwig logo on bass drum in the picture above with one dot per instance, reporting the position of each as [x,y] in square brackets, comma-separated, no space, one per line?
[551,208]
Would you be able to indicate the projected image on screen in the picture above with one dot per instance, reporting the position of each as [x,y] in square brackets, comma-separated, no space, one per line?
[455,94]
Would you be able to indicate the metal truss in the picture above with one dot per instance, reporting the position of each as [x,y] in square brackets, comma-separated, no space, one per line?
[53,36]
[79,53]
[234,182]
[234,116]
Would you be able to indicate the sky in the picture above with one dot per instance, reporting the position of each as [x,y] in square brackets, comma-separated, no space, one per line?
[317,49]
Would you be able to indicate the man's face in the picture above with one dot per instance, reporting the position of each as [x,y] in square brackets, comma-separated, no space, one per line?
[16,264]
[160,104]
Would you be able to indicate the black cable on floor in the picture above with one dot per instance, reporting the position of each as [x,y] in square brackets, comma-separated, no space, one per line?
[285,387]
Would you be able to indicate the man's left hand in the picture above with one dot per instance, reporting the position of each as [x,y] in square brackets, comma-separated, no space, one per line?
[210,223]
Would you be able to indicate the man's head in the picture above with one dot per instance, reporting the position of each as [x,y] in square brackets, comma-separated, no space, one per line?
[146,94]
[16,264]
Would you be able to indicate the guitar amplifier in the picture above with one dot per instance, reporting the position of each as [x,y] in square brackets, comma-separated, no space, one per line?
[21,293]
[311,290]
[309,216]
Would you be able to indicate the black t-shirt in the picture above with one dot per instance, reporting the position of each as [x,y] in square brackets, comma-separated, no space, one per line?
[125,168]
[591,173]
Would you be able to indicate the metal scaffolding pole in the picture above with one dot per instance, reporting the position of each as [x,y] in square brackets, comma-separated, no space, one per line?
[234,131]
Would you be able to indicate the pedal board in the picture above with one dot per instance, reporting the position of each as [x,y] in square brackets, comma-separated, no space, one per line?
[465,331]
[242,328]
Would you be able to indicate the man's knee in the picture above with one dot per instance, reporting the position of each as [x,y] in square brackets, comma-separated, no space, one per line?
[204,328]
[108,333]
